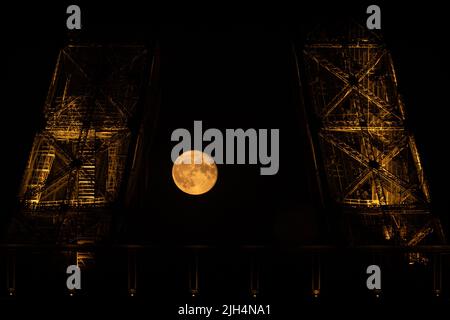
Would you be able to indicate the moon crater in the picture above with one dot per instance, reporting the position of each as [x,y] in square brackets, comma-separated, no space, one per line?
[194,172]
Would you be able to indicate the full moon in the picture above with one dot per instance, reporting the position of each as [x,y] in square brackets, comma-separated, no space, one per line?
[194,172]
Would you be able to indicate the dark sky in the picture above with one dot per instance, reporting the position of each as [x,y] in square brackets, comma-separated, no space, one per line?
[230,71]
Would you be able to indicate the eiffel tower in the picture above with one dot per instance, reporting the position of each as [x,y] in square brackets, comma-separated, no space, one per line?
[88,162]
[80,161]
[368,157]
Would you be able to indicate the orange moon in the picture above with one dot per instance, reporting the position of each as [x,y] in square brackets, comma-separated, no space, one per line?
[194,172]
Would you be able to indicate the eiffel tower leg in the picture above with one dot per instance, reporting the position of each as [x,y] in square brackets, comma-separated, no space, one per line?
[132,272]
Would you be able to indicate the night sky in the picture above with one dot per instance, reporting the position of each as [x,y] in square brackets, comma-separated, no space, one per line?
[231,70]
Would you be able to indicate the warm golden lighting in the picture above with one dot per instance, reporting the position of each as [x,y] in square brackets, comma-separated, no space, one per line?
[316,293]
[194,172]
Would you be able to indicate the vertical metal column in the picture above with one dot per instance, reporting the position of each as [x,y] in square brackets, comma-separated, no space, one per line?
[11,273]
[132,272]
[315,276]
[437,275]
[254,277]
[193,276]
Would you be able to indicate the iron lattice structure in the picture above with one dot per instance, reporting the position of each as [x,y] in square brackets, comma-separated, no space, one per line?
[370,159]
[77,163]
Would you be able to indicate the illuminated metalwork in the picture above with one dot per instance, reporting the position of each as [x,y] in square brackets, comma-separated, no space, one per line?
[77,163]
[369,157]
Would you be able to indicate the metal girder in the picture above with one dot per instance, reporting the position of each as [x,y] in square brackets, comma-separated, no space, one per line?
[80,69]
[86,111]
[343,46]
[357,183]
[420,235]
[377,101]
[63,154]
[337,100]
[398,146]
[353,94]
[337,72]
[371,65]
[364,161]
[358,129]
